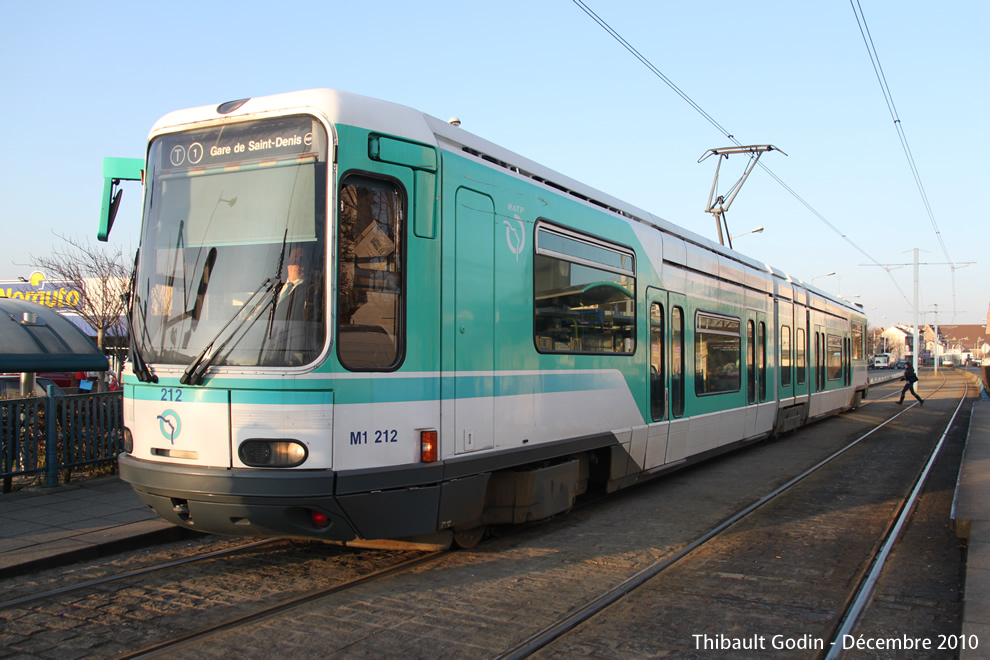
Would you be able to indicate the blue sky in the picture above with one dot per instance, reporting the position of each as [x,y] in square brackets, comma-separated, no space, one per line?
[541,78]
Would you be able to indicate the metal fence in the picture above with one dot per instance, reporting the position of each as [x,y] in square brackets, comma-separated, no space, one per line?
[43,435]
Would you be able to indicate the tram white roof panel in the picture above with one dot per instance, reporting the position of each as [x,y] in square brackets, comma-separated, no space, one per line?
[456,138]
[783,288]
[387,117]
[338,107]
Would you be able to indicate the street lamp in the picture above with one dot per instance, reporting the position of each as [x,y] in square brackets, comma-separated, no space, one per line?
[758,230]
[821,276]
[879,338]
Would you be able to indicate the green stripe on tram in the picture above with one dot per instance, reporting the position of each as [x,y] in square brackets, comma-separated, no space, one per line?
[384,390]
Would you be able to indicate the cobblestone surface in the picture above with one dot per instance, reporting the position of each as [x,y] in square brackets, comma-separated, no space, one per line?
[135,613]
[775,585]
[918,594]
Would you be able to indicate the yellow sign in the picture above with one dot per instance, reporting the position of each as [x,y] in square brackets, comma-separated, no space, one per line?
[39,290]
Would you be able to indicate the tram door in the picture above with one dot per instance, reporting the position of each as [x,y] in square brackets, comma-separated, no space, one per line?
[752,374]
[802,352]
[750,358]
[817,334]
[758,387]
[758,363]
[474,331]
[657,379]
[674,354]
[785,349]
[822,357]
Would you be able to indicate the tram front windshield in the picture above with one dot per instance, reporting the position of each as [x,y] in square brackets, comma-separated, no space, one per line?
[232,257]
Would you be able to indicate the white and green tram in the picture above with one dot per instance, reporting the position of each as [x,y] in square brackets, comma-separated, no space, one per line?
[354,321]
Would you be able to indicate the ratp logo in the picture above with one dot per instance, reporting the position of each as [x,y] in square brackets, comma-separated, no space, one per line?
[515,239]
[170,425]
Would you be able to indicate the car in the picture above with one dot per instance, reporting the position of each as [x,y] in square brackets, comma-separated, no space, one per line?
[64,379]
[902,364]
[10,387]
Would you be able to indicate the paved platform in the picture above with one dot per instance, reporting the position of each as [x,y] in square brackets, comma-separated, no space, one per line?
[48,527]
[971,520]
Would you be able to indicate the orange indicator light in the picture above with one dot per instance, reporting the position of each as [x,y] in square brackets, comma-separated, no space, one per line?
[428,446]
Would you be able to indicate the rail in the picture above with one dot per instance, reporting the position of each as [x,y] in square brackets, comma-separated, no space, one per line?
[45,435]
[883,378]
[578,615]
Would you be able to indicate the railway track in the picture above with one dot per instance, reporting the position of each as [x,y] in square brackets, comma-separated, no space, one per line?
[283,573]
[867,585]
[836,632]
[114,577]
[503,578]
[174,644]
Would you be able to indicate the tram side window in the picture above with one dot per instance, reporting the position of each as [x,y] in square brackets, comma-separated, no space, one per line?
[717,352]
[834,357]
[677,362]
[847,362]
[584,294]
[656,362]
[858,341]
[820,360]
[750,362]
[785,356]
[762,348]
[370,273]
[802,365]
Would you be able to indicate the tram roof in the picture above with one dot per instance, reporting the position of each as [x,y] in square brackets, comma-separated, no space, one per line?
[386,116]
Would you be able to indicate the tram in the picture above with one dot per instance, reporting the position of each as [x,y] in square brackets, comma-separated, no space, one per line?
[353,321]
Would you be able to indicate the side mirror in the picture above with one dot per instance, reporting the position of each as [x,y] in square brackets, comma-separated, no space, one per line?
[115,170]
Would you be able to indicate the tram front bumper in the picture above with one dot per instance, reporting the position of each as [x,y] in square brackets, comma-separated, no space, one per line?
[259,503]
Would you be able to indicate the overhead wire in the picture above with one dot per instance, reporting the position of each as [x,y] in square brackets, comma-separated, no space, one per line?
[649,65]
[888,97]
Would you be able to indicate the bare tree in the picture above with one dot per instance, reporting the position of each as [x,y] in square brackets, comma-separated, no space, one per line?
[99,274]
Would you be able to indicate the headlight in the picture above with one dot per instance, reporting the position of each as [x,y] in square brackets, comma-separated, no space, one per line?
[272,453]
[128,441]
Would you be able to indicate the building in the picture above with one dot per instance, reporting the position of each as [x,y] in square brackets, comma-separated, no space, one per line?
[963,340]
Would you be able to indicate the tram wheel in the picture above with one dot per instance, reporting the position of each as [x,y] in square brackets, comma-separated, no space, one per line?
[468,538]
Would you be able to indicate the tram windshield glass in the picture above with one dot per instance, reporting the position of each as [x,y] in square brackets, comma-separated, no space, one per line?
[233,247]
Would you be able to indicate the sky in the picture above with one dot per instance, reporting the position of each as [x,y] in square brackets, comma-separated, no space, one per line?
[541,78]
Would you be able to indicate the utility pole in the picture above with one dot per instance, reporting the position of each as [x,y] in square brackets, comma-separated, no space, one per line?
[916,264]
[916,282]
[937,343]
[936,339]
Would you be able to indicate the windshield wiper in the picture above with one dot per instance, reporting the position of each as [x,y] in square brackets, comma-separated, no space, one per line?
[204,281]
[193,374]
[278,285]
[139,366]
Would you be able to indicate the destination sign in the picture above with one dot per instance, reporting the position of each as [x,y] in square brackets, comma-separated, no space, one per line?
[234,143]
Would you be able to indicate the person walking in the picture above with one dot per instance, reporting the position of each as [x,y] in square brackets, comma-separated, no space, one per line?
[911,377]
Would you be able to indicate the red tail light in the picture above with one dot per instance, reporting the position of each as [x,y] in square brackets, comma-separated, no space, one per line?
[429,451]
[319,519]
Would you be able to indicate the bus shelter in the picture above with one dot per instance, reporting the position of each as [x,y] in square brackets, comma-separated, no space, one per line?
[35,338]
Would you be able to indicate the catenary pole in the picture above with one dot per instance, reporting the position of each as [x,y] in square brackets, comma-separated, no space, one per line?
[916,283]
